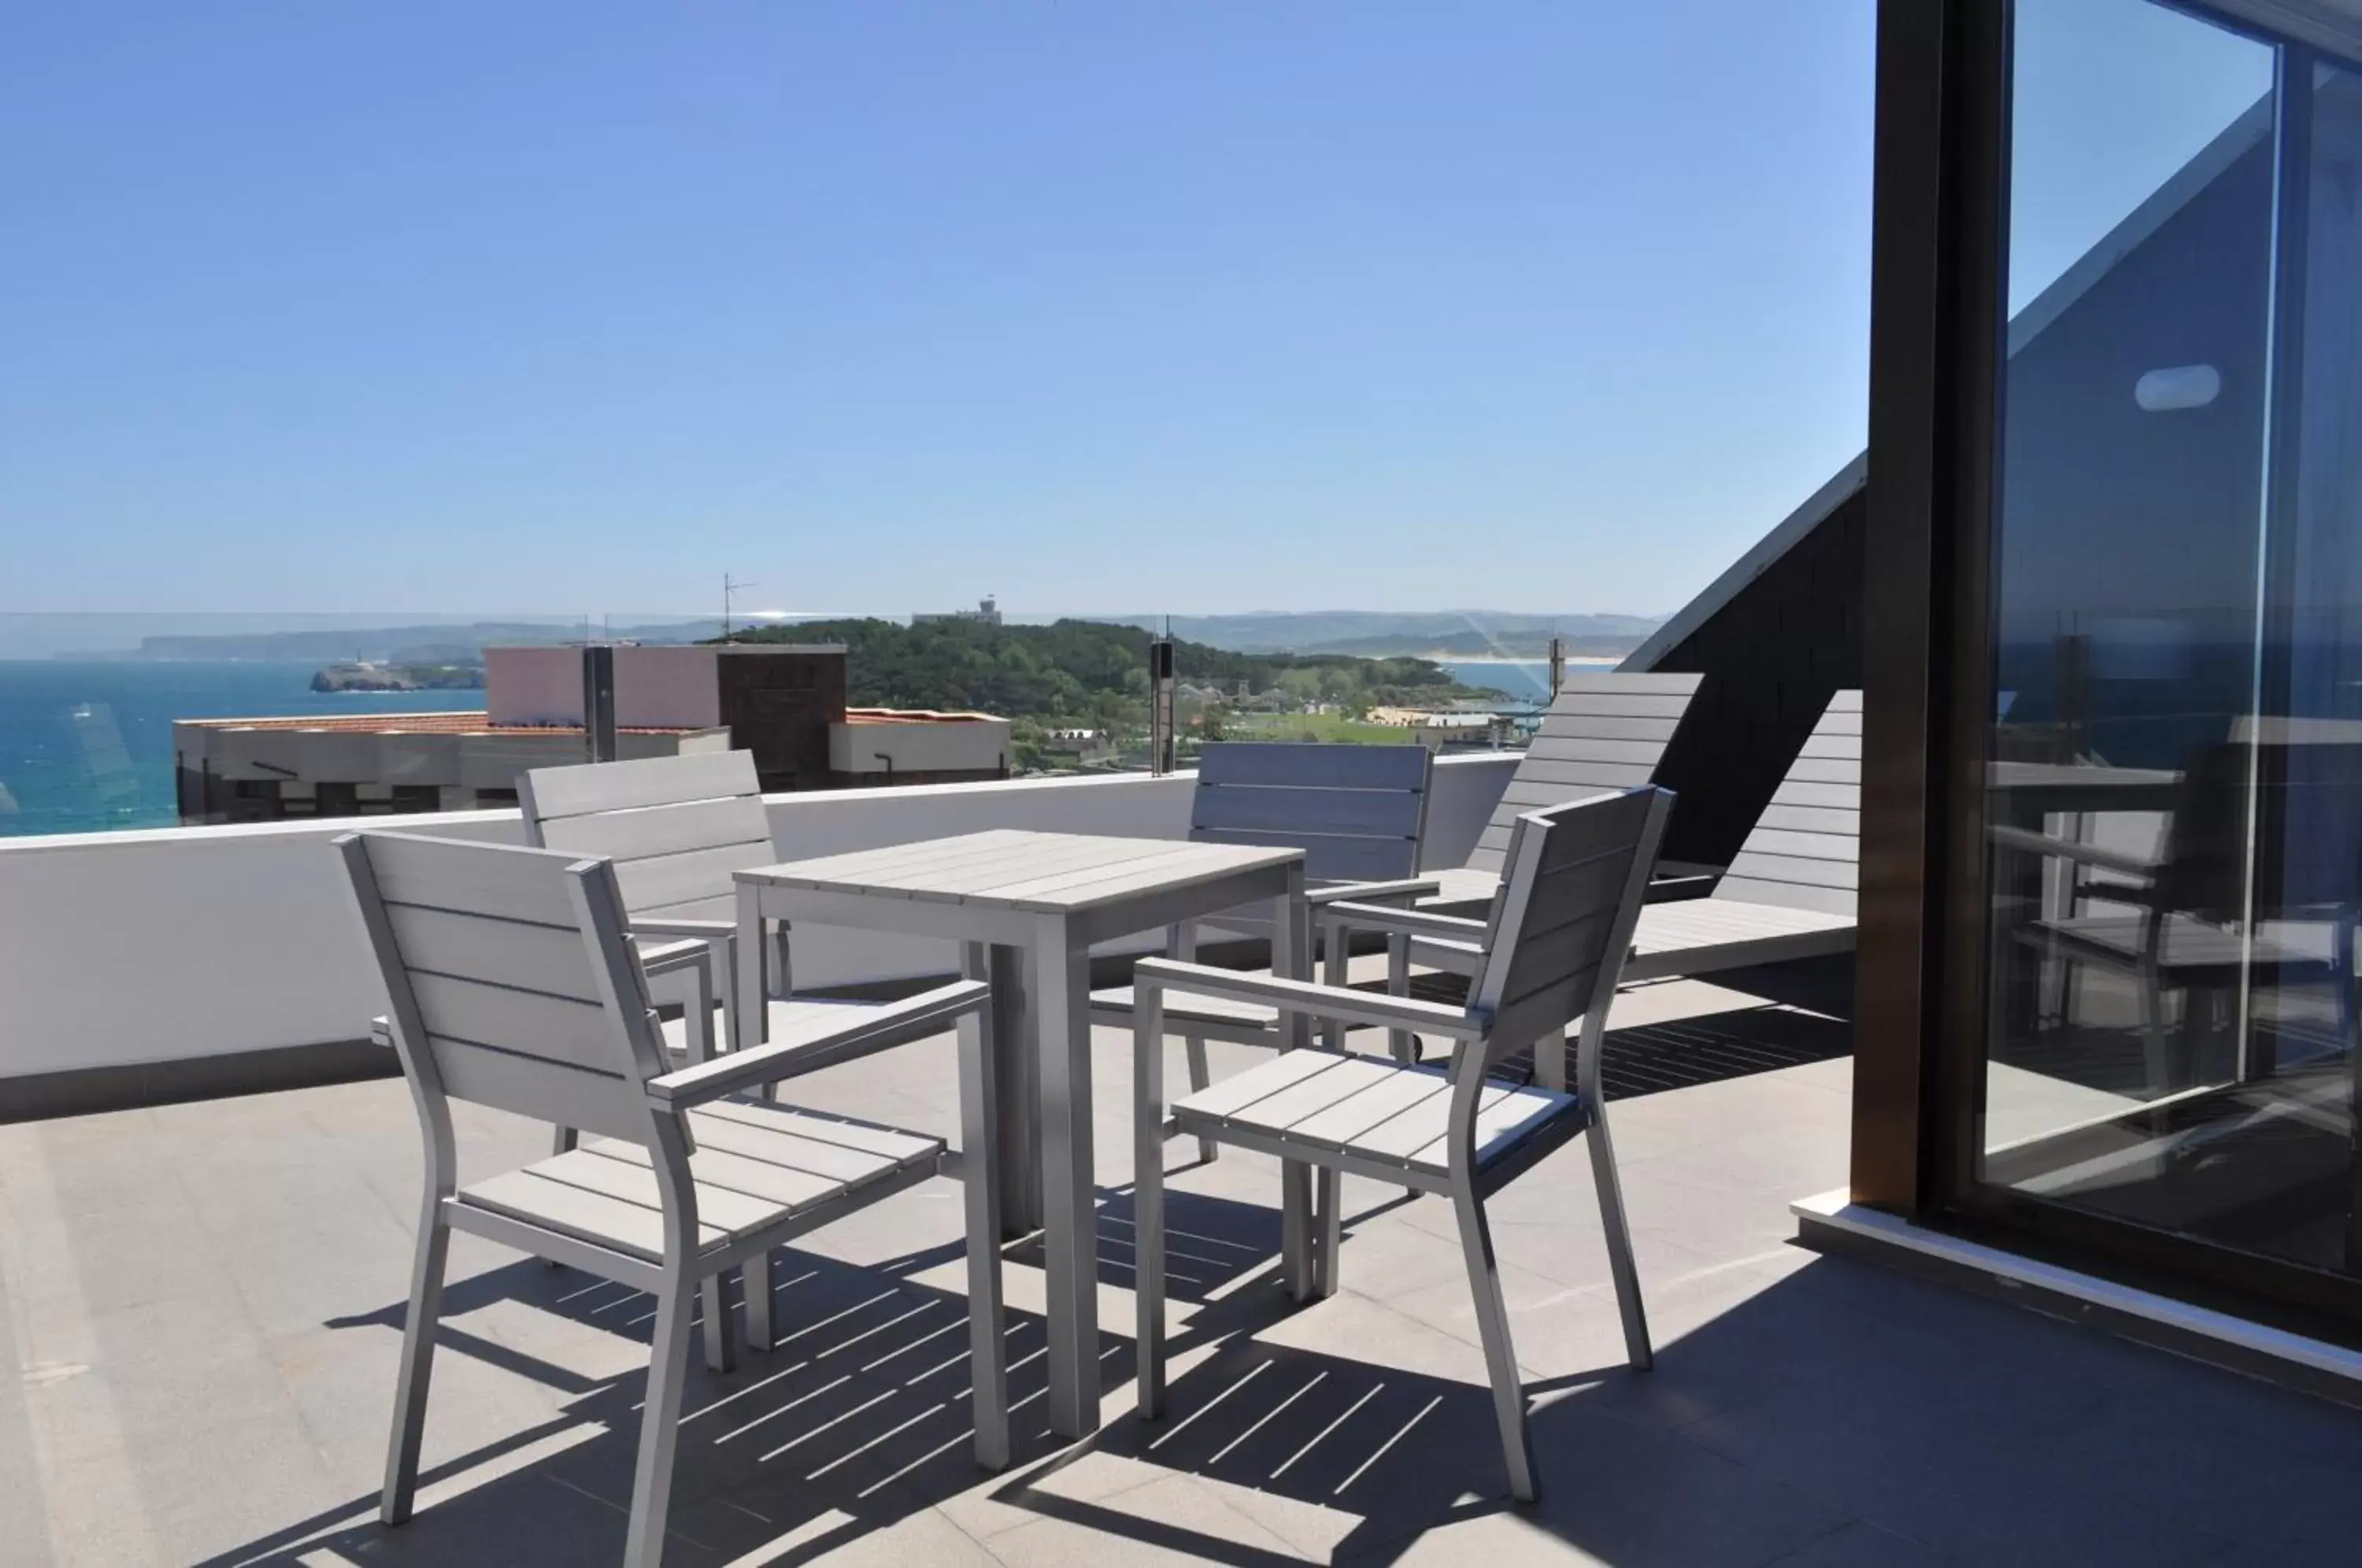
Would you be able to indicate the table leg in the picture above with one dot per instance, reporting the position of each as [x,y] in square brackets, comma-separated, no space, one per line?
[1061,1004]
[748,1016]
[1291,959]
[1291,951]
[1015,1039]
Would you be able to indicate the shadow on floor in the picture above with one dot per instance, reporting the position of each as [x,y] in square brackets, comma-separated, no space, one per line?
[1821,1404]
[1837,1413]
[858,1418]
[1806,1015]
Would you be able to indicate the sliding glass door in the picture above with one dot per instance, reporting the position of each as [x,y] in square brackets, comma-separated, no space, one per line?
[2171,800]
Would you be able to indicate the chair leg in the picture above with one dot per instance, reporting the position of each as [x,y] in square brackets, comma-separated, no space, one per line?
[1330,1214]
[720,953]
[980,1198]
[1620,1265]
[755,1285]
[1181,943]
[2156,1039]
[1296,1225]
[1148,1199]
[720,1344]
[417,1366]
[659,1428]
[697,1026]
[1401,1044]
[1200,1075]
[783,987]
[1336,969]
[1500,1359]
[1550,1061]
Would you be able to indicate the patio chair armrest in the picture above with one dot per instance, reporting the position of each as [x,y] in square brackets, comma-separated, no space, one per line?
[898,1024]
[698,956]
[657,925]
[1374,892]
[1403,922]
[2116,860]
[1674,889]
[1304,997]
[1448,953]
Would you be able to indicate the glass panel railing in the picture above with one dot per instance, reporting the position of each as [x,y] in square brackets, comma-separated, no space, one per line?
[122,721]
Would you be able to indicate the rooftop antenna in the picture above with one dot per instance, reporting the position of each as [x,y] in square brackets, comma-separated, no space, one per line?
[730,585]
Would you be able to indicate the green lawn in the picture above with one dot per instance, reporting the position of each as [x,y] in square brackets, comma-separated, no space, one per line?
[1313,727]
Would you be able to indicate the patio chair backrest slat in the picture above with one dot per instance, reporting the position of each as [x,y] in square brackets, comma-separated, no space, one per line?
[1357,811]
[587,788]
[587,1101]
[662,882]
[1605,733]
[509,976]
[1576,876]
[1356,814]
[676,827]
[1804,852]
[501,952]
[1305,765]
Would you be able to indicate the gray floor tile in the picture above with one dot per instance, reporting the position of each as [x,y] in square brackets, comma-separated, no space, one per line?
[1859,1545]
[208,1344]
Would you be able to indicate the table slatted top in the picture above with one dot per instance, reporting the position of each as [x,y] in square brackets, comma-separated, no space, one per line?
[1021,869]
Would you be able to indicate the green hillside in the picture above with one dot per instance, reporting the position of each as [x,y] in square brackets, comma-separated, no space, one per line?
[1092,674]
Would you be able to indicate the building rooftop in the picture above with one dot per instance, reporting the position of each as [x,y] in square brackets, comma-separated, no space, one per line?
[205,1300]
[466,722]
[919,716]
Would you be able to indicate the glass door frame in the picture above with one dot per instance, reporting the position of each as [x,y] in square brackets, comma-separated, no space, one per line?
[1939,327]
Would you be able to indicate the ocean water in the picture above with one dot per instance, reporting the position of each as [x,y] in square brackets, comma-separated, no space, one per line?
[1523,680]
[86,746]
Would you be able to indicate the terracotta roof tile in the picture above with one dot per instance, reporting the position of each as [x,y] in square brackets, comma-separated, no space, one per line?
[462,723]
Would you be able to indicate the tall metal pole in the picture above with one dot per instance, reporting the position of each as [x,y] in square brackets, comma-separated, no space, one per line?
[1162,742]
[1557,665]
[598,702]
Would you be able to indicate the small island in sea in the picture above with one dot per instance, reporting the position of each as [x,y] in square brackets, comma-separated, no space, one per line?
[368,675]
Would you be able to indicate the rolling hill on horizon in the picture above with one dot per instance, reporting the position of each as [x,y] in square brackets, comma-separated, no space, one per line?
[1474,633]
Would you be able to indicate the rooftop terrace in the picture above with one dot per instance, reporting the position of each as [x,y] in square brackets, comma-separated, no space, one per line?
[205,1301]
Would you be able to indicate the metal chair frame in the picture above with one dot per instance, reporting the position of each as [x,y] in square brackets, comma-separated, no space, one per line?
[1578,875]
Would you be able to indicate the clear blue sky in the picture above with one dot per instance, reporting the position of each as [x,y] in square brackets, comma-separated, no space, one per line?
[1099,306]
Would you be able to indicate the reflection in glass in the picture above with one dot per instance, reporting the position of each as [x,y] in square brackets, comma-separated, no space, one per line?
[2174,803]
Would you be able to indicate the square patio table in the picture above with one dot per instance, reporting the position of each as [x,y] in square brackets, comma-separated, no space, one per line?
[1025,908]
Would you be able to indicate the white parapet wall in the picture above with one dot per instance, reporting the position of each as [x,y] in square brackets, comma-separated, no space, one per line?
[124,949]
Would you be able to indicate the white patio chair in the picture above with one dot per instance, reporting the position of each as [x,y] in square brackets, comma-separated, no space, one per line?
[2200,919]
[513,986]
[676,828]
[1788,895]
[1359,813]
[1576,877]
[1603,733]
